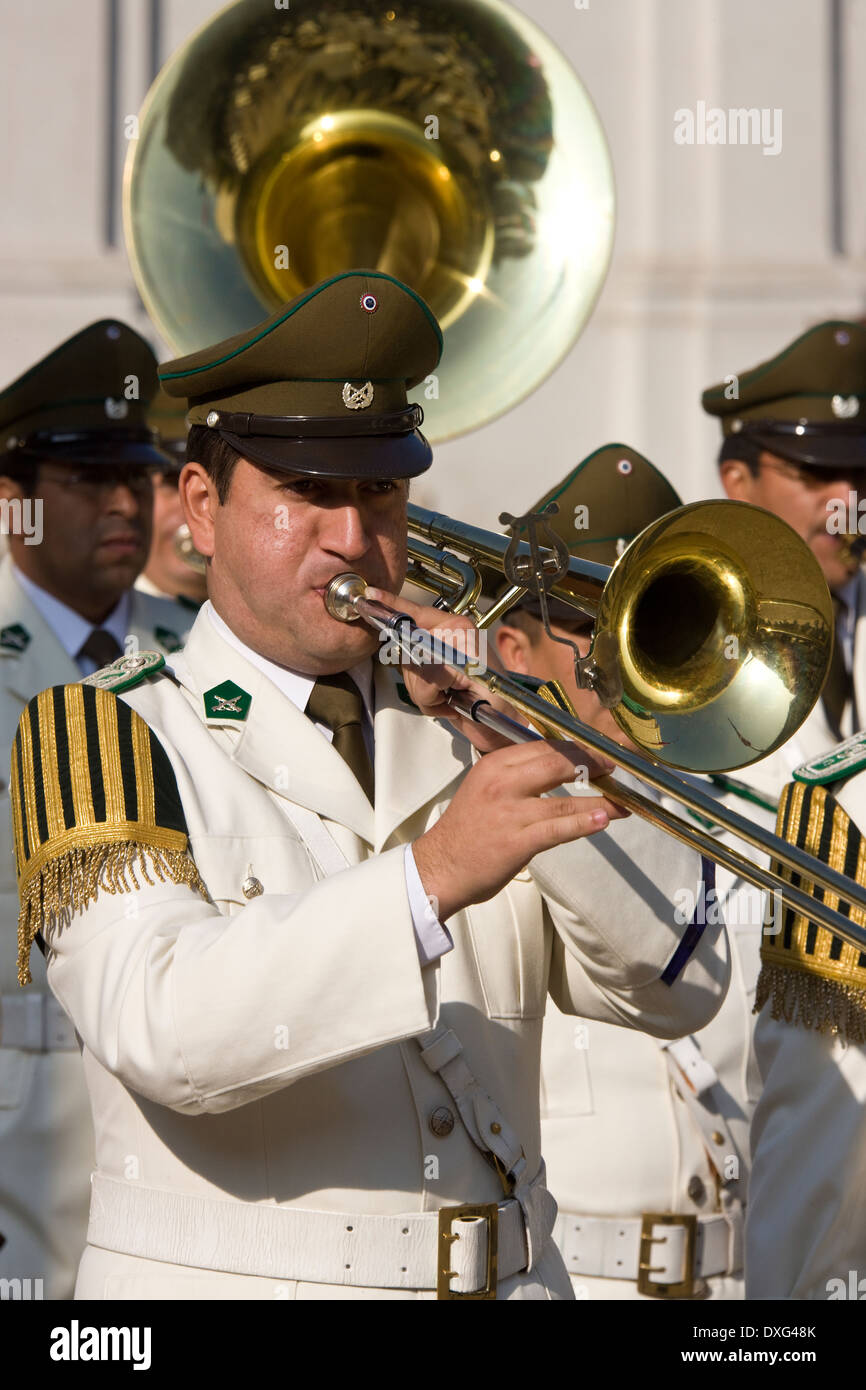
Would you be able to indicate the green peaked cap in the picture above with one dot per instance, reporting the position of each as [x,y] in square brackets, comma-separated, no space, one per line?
[604,502]
[320,387]
[87,401]
[808,403]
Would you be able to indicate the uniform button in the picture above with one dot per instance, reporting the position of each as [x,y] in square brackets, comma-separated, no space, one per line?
[718,1137]
[442,1121]
[251,888]
[696,1190]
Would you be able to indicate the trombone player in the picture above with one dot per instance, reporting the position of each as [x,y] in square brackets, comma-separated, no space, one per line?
[319,1037]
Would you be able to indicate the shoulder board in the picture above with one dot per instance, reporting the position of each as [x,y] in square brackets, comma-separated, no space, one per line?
[126,672]
[842,761]
[94,799]
[816,979]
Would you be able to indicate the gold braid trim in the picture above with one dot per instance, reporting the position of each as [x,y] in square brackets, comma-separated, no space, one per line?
[812,978]
[68,881]
[812,1002]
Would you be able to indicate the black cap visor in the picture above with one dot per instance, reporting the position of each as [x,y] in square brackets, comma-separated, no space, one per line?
[95,448]
[818,445]
[352,456]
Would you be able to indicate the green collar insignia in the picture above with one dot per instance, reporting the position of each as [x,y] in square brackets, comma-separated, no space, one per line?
[226,703]
[126,672]
[737,788]
[842,761]
[168,639]
[15,638]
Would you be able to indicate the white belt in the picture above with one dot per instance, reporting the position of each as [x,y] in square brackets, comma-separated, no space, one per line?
[665,1252]
[318,1247]
[35,1022]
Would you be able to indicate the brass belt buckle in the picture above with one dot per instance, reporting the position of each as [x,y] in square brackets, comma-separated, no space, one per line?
[688,1286]
[444,1272]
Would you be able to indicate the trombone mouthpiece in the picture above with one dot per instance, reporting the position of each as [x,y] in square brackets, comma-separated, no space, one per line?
[341,594]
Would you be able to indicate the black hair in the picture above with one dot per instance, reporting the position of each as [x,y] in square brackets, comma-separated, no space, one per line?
[216,456]
[744,449]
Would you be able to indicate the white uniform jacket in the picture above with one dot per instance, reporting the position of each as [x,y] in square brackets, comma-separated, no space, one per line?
[46,1133]
[806,1232]
[618,1138]
[254,1059]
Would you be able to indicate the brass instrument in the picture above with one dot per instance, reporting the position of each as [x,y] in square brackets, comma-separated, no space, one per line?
[186,551]
[450,145]
[734,670]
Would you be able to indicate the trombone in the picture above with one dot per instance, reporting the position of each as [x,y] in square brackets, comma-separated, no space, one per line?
[732,645]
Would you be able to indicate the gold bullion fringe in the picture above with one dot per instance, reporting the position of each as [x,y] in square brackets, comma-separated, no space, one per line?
[69,882]
[827,1006]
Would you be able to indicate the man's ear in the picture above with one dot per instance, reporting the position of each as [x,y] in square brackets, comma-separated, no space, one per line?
[513,647]
[199,499]
[738,480]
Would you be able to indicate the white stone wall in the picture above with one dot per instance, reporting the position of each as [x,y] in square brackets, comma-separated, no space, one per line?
[722,253]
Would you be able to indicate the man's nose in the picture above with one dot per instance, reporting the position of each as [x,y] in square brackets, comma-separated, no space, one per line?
[345,534]
[123,500]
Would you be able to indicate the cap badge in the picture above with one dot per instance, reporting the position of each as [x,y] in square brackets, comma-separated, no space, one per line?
[369,303]
[357,397]
[845,407]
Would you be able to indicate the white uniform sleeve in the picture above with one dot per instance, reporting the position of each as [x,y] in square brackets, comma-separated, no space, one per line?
[806,1222]
[204,1012]
[621,903]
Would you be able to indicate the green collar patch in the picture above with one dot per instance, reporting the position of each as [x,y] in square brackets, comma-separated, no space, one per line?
[226,703]
[15,638]
[126,672]
[737,788]
[168,639]
[842,761]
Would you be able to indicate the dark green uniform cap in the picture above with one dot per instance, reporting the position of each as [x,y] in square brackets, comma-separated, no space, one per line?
[808,404]
[320,387]
[167,417]
[607,500]
[86,402]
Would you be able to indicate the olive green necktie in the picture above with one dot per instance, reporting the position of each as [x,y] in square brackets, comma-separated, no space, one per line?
[101,647]
[336,701]
[837,688]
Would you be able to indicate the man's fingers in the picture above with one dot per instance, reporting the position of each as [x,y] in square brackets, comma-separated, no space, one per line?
[560,829]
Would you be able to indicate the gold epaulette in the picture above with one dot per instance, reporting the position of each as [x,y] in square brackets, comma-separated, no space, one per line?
[94,797]
[813,977]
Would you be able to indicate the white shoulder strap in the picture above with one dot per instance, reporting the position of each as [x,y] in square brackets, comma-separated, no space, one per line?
[697,1084]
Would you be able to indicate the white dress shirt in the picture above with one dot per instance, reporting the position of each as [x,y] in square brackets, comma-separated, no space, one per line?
[431,937]
[70,629]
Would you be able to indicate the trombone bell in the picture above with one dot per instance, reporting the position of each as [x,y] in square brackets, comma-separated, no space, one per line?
[723,625]
[716,625]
